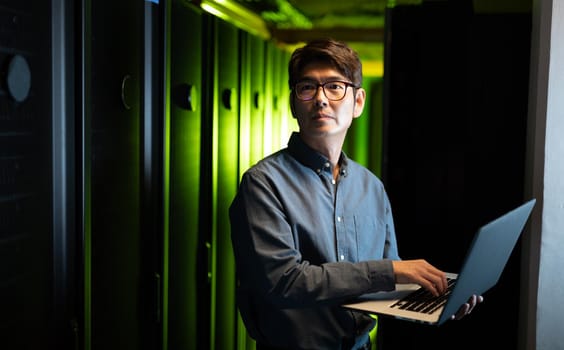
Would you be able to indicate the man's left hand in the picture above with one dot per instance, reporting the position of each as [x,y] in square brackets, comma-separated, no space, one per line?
[468,307]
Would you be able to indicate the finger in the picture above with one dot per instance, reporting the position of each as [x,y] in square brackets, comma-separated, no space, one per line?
[435,285]
[444,282]
[462,311]
[468,307]
[475,300]
[434,280]
[441,283]
[430,286]
[472,303]
[440,280]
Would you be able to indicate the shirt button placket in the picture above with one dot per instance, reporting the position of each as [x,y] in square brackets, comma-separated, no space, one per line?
[340,230]
[342,256]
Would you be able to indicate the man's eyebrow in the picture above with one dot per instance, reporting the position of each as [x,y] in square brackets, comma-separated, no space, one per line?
[324,79]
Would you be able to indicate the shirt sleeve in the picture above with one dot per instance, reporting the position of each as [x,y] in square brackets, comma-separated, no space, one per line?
[391,250]
[270,264]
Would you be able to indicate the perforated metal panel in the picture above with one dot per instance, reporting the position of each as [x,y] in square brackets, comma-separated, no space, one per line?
[25,174]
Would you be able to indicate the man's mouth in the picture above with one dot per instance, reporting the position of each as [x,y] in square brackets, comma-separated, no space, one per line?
[321,116]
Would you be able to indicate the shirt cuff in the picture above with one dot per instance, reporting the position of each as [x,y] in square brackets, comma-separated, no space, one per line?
[381,274]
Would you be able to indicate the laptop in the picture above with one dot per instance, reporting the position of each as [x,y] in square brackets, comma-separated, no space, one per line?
[485,260]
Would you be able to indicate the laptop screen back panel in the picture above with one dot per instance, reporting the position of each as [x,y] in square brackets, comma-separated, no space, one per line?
[487,257]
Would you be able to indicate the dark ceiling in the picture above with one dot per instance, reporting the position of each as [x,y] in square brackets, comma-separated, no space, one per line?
[358,22]
[294,20]
[329,15]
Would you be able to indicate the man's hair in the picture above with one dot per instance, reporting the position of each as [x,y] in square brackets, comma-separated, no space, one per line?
[329,51]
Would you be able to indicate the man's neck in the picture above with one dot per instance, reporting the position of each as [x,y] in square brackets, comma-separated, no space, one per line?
[330,147]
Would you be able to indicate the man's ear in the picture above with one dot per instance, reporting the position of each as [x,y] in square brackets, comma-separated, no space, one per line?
[359,100]
[292,107]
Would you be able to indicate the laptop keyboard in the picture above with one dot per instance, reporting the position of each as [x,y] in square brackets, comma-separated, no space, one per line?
[423,301]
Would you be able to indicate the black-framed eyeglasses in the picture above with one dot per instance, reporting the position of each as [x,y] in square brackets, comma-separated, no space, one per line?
[334,90]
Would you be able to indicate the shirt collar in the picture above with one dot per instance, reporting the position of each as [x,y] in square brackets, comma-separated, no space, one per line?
[313,159]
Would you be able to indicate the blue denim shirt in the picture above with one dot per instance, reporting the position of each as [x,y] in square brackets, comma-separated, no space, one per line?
[304,244]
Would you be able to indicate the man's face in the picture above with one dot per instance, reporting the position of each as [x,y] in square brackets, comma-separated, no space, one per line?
[320,116]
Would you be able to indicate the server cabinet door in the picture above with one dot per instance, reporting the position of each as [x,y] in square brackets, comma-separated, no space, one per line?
[115,307]
[250,124]
[284,123]
[278,123]
[252,87]
[188,287]
[26,227]
[225,148]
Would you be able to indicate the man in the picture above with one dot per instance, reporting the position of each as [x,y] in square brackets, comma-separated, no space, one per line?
[311,228]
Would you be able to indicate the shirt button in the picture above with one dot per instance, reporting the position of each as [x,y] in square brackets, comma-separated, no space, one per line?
[333,181]
[327,165]
[338,218]
[342,257]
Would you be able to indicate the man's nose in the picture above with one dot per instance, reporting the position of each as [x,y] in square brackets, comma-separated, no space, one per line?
[320,97]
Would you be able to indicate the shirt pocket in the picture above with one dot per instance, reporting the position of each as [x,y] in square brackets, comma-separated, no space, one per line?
[370,237]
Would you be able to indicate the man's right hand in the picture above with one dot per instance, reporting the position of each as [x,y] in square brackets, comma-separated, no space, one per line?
[420,272]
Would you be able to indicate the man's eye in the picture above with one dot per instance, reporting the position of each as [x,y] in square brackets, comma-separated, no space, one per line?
[307,87]
[334,86]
